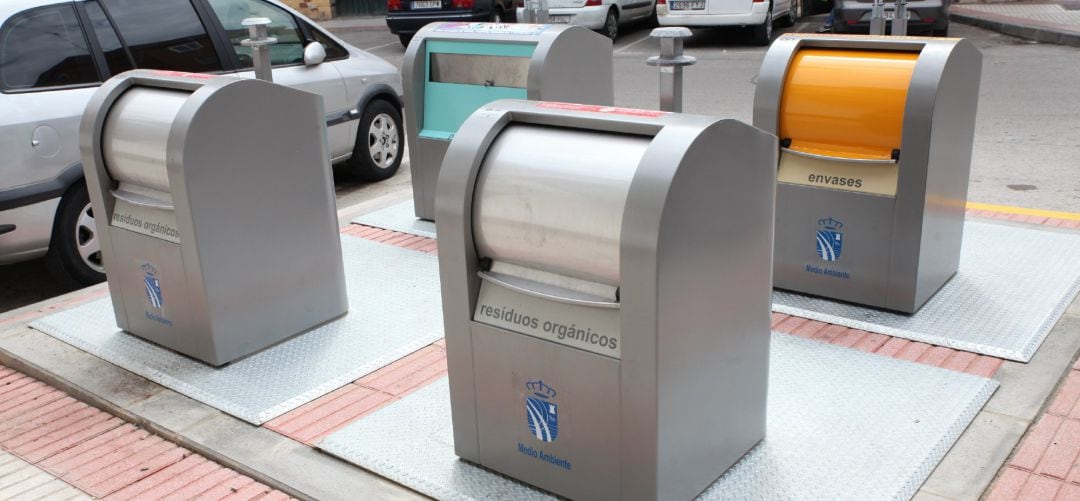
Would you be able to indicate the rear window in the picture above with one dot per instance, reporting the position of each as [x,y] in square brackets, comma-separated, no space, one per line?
[164,34]
[115,55]
[45,47]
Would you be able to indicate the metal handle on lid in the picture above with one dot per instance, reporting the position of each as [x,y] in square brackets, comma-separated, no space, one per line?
[530,289]
[141,200]
[882,161]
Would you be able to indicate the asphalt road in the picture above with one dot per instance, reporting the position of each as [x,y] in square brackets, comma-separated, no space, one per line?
[1026,151]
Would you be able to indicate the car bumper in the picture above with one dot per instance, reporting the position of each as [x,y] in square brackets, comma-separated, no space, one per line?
[589,17]
[666,17]
[33,230]
[854,17]
[411,22]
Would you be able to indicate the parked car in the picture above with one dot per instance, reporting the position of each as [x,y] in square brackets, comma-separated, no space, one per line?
[605,16]
[406,17]
[54,53]
[758,14]
[928,17]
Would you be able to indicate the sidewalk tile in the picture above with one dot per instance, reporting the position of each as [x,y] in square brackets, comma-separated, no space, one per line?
[202,484]
[984,366]
[1039,487]
[180,472]
[1068,492]
[913,351]
[809,329]
[830,333]
[871,342]
[1067,396]
[35,452]
[936,356]
[789,324]
[133,469]
[1062,452]
[219,491]
[892,347]
[117,460]
[850,337]
[93,449]
[1034,445]
[84,417]
[959,361]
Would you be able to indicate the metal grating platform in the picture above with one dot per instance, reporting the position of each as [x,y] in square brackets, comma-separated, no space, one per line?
[400,217]
[842,424]
[394,309]
[1013,285]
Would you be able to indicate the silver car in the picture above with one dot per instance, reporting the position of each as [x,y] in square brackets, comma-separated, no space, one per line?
[54,53]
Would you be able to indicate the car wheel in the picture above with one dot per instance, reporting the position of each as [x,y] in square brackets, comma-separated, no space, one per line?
[497,15]
[943,32]
[611,24]
[763,31]
[380,142]
[74,255]
[404,39]
[789,20]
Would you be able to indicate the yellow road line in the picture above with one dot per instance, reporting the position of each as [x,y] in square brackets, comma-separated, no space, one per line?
[1072,216]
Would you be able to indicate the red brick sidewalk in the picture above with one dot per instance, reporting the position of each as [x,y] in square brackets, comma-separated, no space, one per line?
[1044,466]
[100,454]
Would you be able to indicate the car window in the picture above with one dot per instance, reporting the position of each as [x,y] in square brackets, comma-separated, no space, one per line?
[164,34]
[333,49]
[289,48]
[45,47]
[115,55]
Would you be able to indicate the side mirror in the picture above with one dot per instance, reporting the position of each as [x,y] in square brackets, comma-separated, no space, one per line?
[314,53]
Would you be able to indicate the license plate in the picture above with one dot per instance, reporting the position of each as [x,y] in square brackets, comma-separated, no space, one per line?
[890,14]
[427,4]
[559,19]
[694,5]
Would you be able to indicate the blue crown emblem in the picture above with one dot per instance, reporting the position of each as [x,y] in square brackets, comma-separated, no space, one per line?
[830,224]
[830,240]
[541,414]
[540,389]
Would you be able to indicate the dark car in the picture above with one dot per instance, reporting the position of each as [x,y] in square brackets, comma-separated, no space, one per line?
[406,17]
[929,17]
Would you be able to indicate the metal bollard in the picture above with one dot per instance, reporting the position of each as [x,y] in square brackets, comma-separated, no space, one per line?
[877,18]
[671,61]
[260,46]
[899,22]
[536,11]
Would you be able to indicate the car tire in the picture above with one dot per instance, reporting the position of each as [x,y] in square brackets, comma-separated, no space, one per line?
[496,14]
[404,39]
[943,32]
[380,143]
[763,32]
[791,17]
[74,256]
[611,24]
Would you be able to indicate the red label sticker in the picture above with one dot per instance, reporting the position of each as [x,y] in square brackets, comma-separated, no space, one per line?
[614,110]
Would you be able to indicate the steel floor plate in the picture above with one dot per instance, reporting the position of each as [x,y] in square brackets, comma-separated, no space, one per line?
[1013,285]
[400,217]
[394,309]
[842,424]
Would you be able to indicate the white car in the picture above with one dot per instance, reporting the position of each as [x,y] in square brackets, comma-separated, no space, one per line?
[759,14]
[55,53]
[604,16]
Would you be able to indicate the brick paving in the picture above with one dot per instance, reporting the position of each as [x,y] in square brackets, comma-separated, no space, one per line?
[55,447]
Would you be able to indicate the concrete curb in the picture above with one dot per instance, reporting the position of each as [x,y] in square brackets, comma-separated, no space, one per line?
[1018,27]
